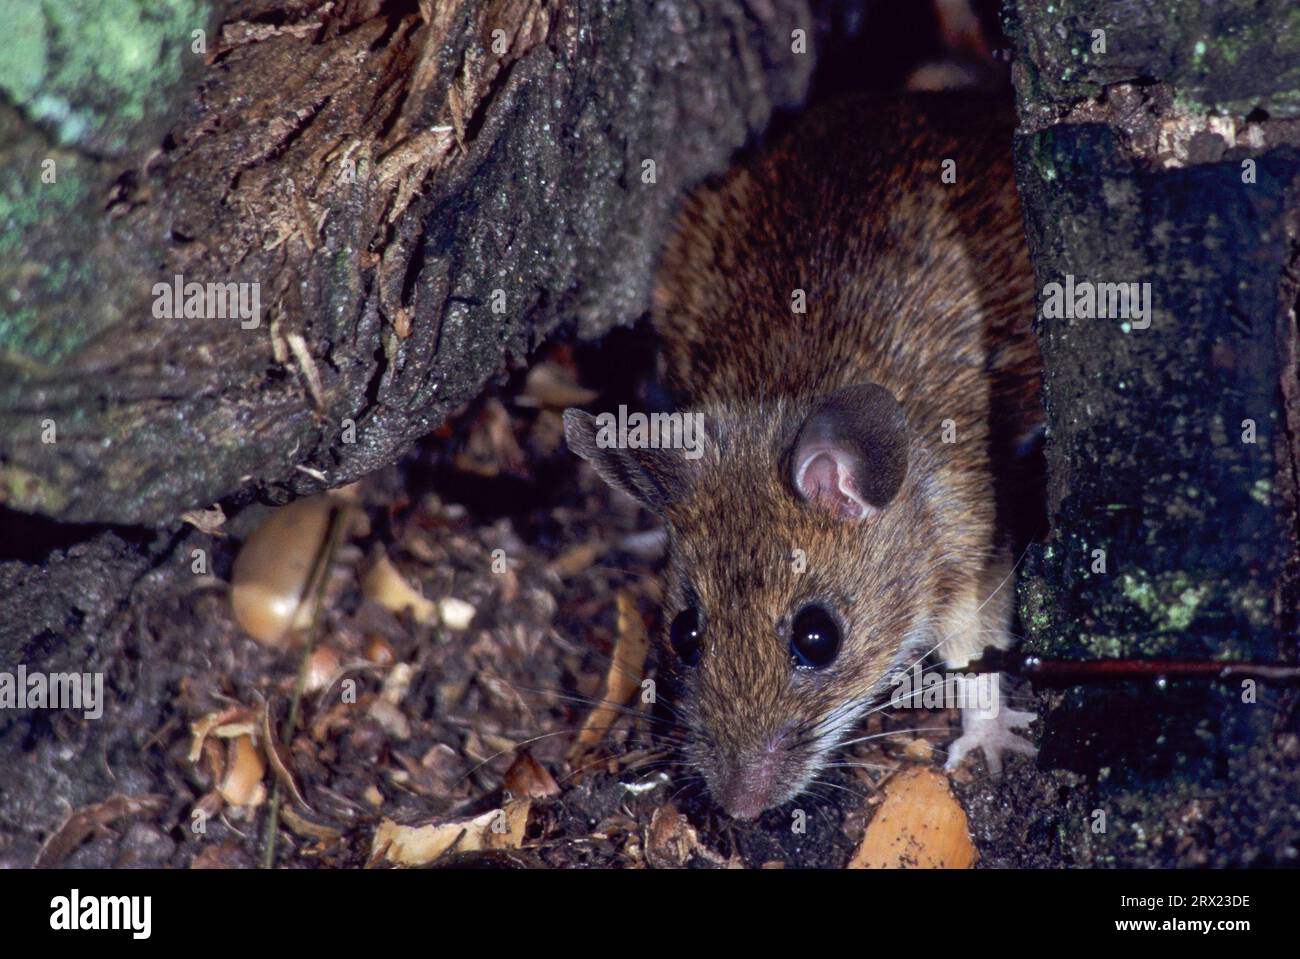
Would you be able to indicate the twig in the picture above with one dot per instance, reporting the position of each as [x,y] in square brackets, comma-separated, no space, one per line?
[337,525]
[1071,671]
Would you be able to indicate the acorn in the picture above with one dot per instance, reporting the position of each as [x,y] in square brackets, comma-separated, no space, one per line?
[277,570]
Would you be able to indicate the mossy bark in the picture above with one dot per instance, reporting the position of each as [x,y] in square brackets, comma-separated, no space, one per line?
[420,191]
[1163,151]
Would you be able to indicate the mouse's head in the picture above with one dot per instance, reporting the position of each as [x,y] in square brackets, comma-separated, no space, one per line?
[804,564]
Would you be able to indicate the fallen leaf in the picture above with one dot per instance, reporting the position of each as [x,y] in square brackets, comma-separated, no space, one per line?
[85,821]
[208,520]
[920,825]
[623,678]
[491,448]
[550,385]
[420,845]
[309,828]
[204,725]
[387,587]
[391,718]
[527,777]
[279,761]
[575,559]
[671,839]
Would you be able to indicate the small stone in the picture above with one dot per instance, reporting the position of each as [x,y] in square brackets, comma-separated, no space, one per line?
[456,613]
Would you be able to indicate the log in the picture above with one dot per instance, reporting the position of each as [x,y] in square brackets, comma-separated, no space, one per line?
[407,195]
[1157,147]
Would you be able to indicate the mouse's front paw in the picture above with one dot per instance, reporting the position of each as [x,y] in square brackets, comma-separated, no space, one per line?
[993,733]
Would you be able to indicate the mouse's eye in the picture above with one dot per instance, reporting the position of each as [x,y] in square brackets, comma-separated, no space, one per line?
[685,634]
[814,637]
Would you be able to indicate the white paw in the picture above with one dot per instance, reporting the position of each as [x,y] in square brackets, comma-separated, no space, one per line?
[994,734]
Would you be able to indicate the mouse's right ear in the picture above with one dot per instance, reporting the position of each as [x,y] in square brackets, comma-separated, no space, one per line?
[850,456]
[655,477]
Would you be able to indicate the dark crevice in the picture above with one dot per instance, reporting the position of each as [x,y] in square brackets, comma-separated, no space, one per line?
[31,539]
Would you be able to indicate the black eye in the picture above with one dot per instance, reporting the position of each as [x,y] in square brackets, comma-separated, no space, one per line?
[685,634]
[814,637]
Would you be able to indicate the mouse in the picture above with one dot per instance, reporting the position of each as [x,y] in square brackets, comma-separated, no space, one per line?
[848,315]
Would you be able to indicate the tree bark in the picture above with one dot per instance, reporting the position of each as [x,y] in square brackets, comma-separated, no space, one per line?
[418,192]
[1167,158]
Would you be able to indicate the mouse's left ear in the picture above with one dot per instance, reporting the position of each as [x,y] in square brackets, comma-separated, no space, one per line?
[850,455]
[655,476]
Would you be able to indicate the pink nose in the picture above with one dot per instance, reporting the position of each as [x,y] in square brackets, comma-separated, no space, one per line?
[744,805]
[746,789]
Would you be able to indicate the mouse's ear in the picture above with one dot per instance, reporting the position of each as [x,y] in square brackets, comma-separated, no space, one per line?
[850,455]
[655,477]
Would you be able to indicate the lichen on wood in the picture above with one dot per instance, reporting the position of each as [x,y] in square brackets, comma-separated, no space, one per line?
[421,193]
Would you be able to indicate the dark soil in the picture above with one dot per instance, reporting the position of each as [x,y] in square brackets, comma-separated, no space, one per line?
[522,678]
[441,717]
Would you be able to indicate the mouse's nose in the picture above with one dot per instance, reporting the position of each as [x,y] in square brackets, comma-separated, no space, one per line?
[745,806]
[745,789]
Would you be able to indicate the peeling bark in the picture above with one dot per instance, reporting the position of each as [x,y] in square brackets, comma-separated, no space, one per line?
[1169,158]
[421,192]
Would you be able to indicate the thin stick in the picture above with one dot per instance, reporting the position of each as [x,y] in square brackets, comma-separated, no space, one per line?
[317,593]
[1069,671]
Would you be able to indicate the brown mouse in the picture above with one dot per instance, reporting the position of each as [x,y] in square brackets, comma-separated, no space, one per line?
[841,517]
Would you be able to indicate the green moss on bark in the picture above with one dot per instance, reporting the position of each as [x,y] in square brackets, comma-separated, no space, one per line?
[101,74]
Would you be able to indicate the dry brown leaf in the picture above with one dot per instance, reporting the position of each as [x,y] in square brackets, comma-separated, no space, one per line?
[202,727]
[551,386]
[220,855]
[671,840]
[244,727]
[419,845]
[491,448]
[279,760]
[527,777]
[78,826]
[920,825]
[208,520]
[576,559]
[387,587]
[309,828]
[391,719]
[624,676]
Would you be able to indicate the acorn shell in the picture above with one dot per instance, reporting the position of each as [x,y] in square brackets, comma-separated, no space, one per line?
[276,570]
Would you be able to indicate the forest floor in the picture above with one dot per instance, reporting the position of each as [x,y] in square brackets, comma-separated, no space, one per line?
[466,727]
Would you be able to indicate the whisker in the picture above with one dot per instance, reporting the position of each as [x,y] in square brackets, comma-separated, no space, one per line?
[997,589]
[896,732]
[502,752]
[647,714]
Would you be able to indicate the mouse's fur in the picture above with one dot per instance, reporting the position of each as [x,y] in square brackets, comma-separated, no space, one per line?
[918,286]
